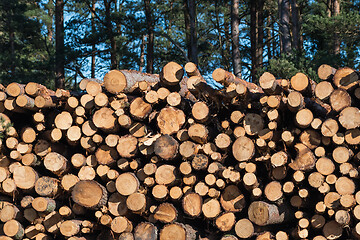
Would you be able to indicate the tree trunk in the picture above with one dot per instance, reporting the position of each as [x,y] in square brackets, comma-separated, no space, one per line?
[269,40]
[93,47]
[51,15]
[284,15]
[191,31]
[109,29]
[59,45]
[256,35]
[235,21]
[260,33]
[142,53]
[150,43]
[12,45]
[336,11]
[253,36]
[295,15]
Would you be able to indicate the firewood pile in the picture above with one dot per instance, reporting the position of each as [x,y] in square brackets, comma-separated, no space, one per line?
[145,156]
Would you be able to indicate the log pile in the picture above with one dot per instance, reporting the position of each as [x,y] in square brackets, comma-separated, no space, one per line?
[144,156]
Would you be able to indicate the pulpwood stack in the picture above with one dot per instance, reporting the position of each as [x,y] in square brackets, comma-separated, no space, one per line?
[145,156]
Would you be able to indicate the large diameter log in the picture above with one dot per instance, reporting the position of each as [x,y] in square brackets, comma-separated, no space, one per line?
[173,231]
[192,204]
[350,117]
[127,184]
[145,231]
[325,72]
[47,186]
[262,213]
[166,147]
[140,109]
[127,146]
[346,78]
[171,74]
[166,213]
[13,229]
[89,194]
[117,81]
[323,90]
[253,123]
[243,149]
[105,119]
[25,177]
[225,221]
[305,159]
[63,120]
[170,120]
[244,228]
[340,99]
[56,163]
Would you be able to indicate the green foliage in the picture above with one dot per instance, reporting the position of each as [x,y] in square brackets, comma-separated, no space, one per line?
[4,126]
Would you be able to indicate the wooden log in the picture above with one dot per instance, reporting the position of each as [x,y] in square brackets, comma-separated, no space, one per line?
[243,149]
[171,74]
[89,194]
[172,231]
[273,191]
[165,213]
[170,120]
[104,119]
[121,224]
[225,222]
[165,174]
[25,177]
[70,228]
[232,199]
[127,184]
[340,99]
[295,101]
[56,163]
[253,123]
[42,204]
[345,78]
[244,228]
[305,159]
[325,72]
[116,81]
[350,117]
[268,83]
[26,102]
[47,186]
[13,229]
[332,230]
[166,147]
[145,231]
[323,90]
[192,204]
[262,213]
[136,202]
[301,83]
[15,89]
[127,146]
[140,109]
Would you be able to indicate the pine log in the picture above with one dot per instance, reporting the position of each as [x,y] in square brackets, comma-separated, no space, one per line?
[25,177]
[47,186]
[140,109]
[192,204]
[345,78]
[244,228]
[165,213]
[13,229]
[243,149]
[232,199]
[262,213]
[136,202]
[166,147]
[172,231]
[127,184]
[340,99]
[104,119]
[305,159]
[89,194]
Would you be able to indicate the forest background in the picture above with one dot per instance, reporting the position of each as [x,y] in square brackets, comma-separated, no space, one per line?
[59,42]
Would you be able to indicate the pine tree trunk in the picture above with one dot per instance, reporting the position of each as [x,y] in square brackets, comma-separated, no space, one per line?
[269,40]
[336,11]
[150,43]
[284,15]
[59,45]
[235,21]
[191,31]
[109,29]
[49,25]
[256,35]
[142,53]
[295,15]
[93,47]
[253,38]
[260,33]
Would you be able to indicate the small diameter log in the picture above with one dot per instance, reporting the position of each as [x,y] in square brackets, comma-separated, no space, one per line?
[15,89]
[89,194]
[192,204]
[8,212]
[173,231]
[106,155]
[88,128]
[253,123]
[232,199]
[42,204]
[200,112]
[127,146]
[345,186]
[340,99]
[56,163]
[24,177]
[223,141]
[244,228]
[268,83]
[310,138]
[26,102]
[273,191]
[199,162]
[140,109]
[13,229]
[165,213]
[262,213]
[345,78]
[342,154]
[70,228]
[47,186]
[121,224]
[187,150]
[28,134]
[105,119]
[174,99]
[243,149]
[145,231]
[303,118]
[127,184]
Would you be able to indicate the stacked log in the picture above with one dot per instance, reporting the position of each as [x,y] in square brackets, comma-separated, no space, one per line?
[146,156]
